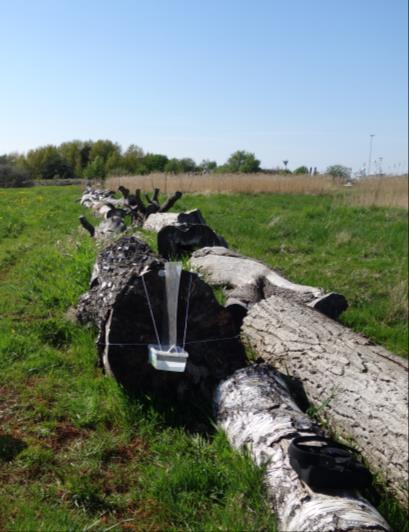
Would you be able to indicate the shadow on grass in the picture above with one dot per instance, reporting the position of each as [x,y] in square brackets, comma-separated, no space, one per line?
[193,416]
[10,447]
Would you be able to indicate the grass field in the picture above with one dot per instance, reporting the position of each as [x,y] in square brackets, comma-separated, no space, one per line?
[75,452]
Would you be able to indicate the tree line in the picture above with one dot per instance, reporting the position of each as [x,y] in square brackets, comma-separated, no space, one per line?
[103,158]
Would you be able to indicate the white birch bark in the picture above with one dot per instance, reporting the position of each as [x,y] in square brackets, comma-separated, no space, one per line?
[365,385]
[256,411]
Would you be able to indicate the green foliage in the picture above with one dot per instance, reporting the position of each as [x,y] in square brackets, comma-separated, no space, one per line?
[132,160]
[187,164]
[207,166]
[301,170]
[242,161]
[155,162]
[103,149]
[47,163]
[173,166]
[76,153]
[339,171]
[95,169]
[13,176]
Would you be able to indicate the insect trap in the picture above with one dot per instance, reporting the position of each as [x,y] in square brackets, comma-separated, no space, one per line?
[166,355]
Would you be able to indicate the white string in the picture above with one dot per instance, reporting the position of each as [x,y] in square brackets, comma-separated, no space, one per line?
[150,311]
[123,344]
[187,311]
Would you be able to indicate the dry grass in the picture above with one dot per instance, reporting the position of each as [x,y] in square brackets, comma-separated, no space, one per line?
[391,191]
[231,183]
[380,191]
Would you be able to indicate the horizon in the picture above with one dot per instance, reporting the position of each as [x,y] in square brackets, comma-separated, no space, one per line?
[304,83]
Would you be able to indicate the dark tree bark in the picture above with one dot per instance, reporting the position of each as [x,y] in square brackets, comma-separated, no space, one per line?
[177,241]
[118,306]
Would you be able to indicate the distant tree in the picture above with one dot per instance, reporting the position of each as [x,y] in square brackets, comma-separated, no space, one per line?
[187,164]
[12,175]
[132,159]
[301,170]
[95,169]
[103,149]
[173,166]
[115,160]
[46,162]
[155,162]
[207,166]
[339,171]
[76,153]
[242,161]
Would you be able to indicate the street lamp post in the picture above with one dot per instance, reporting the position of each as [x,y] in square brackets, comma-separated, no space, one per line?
[371,136]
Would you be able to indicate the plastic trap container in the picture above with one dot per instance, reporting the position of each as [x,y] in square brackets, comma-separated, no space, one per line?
[168,358]
[166,355]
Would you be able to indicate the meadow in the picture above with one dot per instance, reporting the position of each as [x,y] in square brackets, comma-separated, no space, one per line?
[76,453]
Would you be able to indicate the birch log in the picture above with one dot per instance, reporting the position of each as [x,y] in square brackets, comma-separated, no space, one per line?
[365,385]
[248,281]
[159,220]
[106,230]
[256,411]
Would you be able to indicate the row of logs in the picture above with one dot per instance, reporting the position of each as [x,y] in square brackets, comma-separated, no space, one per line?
[251,402]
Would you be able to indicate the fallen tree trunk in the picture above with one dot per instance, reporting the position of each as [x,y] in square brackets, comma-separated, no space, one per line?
[112,226]
[362,386]
[176,241]
[127,301]
[248,281]
[256,411]
[157,221]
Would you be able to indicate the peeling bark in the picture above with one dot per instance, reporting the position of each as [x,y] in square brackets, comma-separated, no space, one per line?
[366,386]
[256,411]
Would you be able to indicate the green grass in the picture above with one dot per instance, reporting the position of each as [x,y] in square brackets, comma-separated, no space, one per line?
[75,452]
[318,240]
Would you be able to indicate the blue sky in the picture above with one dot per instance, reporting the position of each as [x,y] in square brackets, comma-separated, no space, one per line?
[303,80]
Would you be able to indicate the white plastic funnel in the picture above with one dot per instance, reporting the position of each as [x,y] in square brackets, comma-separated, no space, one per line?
[168,356]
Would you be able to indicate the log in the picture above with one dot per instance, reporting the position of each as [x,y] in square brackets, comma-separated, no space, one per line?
[153,205]
[117,304]
[365,386]
[109,228]
[126,256]
[255,409]
[157,221]
[177,241]
[248,281]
